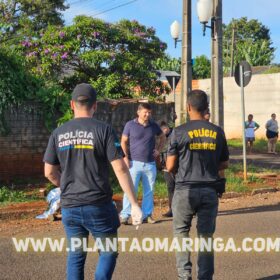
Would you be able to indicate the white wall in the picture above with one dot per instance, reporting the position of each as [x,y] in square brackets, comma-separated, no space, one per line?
[262,98]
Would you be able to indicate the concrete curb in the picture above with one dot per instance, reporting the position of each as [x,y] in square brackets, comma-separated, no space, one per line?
[264,190]
[228,195]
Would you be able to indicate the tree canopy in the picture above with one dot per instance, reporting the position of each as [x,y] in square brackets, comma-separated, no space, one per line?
[252,42]
[116,58]
[201,67]
[168,63]
[20,18]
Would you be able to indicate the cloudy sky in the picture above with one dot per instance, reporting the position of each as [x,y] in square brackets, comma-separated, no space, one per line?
[161,13]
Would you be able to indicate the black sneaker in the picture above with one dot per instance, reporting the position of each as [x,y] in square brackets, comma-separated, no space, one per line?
[168,214]
[124,221]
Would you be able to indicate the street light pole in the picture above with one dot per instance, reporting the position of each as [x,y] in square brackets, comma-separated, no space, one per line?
[217,101]
[186,68]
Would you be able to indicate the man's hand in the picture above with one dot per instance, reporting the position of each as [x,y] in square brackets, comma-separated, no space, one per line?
[136,215]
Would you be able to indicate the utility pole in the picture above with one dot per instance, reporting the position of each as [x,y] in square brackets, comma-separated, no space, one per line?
[186,68]
[217,102]
[232,50]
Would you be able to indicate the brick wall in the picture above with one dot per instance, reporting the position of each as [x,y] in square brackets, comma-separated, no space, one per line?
[21,151]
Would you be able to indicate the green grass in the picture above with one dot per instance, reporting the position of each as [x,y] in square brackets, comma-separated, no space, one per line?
[234,175]
[160,186]
[8,195]
[272,70]
[235,183]
[260,145]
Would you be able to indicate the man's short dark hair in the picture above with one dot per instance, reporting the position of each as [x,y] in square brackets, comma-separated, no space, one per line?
[163,124]
[198,100]
[146,106]
[84,104]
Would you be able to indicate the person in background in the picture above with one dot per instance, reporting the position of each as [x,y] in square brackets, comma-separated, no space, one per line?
[272,134]
[169,177]
[139,145]
[77,160]
[250,128]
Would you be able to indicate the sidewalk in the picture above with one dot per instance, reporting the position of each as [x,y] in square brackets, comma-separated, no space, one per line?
[264,160]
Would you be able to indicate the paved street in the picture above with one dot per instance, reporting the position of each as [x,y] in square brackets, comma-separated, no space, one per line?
[259,221]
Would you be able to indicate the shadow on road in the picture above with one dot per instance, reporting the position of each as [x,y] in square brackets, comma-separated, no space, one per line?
[272,277]
[248,210]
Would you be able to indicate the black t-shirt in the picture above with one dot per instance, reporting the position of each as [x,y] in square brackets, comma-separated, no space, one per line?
[200,147]
[83,148]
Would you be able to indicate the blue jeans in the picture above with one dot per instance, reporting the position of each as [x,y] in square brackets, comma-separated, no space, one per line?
[147,172]
[202,201]
[102,222]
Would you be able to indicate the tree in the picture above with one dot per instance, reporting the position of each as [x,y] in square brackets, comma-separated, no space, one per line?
[167,63]
[201,67]
[257,53]
[252,42]
[115,58]
[22,18]
[15,84]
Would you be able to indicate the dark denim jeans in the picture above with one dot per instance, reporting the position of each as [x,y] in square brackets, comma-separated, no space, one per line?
[170,182]
[202,202]
[101,221]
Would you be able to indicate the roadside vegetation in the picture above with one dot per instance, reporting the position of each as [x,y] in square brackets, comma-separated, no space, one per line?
[234,177]
[260,145]
[8,195]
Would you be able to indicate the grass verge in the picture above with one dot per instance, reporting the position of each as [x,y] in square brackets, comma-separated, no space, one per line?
[234,177]
[8,195]
[260,145]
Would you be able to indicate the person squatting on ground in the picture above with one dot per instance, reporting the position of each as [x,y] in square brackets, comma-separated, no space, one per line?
[272,134]
[250,128]
[196,152]
[77,160]
[169,177]
[139,145]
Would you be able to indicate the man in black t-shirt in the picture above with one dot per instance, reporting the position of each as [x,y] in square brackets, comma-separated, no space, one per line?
[197,151]
[77,160]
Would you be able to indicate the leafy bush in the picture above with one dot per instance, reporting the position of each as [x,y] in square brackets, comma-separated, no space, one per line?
[16,85]
[7,195]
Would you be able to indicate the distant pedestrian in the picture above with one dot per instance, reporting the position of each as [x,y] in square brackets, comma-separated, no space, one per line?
[169,177]
[139,145]
[272,134]
[250,128]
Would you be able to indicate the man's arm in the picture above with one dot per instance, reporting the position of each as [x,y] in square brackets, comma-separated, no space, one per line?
[124,145]
[171,163]
[53,174]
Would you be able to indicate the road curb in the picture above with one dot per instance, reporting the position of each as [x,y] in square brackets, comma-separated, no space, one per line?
[264,190]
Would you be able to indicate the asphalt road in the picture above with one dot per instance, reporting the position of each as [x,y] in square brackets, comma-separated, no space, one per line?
[263,221]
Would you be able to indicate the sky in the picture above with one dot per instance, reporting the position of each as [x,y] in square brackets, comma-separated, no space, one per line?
[161,13]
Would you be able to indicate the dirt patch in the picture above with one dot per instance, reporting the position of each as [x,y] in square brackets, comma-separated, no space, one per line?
[22,210]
